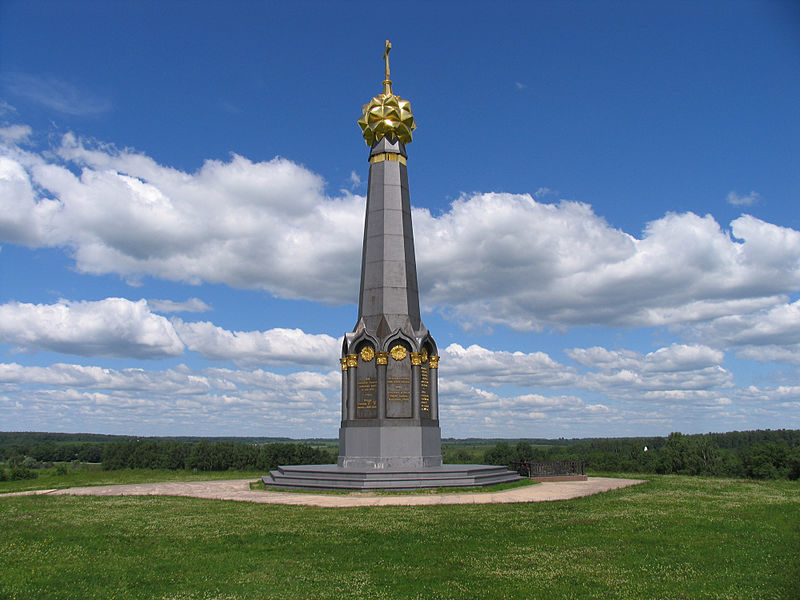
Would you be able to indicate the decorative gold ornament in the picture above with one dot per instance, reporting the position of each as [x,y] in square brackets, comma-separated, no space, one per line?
[387,114]
[382,358]
[399,352]
[352,360]
[390,156]
[434,362]
[415,359]
[367,353]
[424,355]
[344,363]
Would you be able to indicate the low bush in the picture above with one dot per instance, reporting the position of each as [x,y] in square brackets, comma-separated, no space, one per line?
[20,473]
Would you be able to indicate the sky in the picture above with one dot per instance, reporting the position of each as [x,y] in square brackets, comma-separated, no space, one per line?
[605,203]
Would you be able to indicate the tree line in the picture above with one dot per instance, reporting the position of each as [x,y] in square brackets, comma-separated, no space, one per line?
[211,456]
[167,454]
[761,454]
[755,454]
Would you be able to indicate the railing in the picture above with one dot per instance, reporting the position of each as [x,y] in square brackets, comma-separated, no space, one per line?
[550,468]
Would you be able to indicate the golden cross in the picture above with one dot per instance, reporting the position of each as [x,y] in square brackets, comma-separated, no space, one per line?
[386,57]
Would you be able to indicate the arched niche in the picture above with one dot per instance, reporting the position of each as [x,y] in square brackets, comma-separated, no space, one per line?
[398,379]
[366,380]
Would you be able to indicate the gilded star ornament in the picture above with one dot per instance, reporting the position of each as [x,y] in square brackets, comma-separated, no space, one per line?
[387,115]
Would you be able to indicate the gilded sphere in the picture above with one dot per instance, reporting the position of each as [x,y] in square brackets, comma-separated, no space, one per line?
[387,115]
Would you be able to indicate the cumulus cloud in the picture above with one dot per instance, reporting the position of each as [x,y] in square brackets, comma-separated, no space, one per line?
[778,325]
[110,327]
[767,335]
[508,259]
[223,401]
[125,328]
[251,348]
[673,372]
[674,358]
[476,412]
[206,402]
[245,224]
[788,354]
[493,368]
[505,259]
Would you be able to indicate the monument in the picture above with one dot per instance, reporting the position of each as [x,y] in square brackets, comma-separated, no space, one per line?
[389,436]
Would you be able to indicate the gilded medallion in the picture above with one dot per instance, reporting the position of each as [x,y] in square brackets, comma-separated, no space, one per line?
[399,352]
[367,353]
[424,355]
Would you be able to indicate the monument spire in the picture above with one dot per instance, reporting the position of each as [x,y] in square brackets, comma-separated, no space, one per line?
[397,391]
[389,437]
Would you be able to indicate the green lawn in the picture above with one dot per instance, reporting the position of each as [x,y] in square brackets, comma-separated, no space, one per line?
[50,479]
[674,537]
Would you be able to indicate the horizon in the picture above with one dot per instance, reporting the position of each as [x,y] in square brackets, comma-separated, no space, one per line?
[335,439]
[603,196]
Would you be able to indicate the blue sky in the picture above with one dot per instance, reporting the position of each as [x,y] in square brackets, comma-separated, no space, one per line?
[605,195]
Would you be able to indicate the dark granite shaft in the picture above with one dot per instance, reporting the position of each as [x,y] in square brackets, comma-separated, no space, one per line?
[388,270]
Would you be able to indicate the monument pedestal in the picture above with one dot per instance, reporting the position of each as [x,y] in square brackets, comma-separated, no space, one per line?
[334,477]
[373,444]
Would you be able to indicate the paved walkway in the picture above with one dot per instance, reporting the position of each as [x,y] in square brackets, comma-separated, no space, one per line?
[239,489]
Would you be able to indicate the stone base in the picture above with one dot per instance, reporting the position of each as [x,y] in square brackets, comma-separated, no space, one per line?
[334,477]
[391,444]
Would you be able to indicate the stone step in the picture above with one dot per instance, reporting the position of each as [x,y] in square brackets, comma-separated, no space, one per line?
[337,478]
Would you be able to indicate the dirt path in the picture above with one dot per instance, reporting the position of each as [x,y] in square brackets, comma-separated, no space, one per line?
[239,490]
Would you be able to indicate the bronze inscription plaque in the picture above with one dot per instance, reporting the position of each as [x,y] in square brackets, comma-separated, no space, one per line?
[398,386]
[366,388]
[424,391]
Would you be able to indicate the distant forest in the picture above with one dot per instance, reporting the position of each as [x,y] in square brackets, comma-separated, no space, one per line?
[760,454]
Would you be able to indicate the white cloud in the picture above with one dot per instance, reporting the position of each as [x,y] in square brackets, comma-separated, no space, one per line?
[490,259]
[669,372]
[124,328]
[245,224]
[476,364]
[221,401]
[252,348]
[192,305]
[767,335]
[81,398]
[501,258]
[736,200]
[110,327]
[788,354]
[15,134]
[674,358]
[778,325]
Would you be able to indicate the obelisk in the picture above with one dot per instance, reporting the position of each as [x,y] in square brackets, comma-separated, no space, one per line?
[389,438]
[389,361]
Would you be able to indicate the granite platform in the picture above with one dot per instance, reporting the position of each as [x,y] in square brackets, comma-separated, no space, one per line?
[334,477]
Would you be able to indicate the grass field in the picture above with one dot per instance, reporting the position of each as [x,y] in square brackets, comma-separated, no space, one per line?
[51,479]
[674,537]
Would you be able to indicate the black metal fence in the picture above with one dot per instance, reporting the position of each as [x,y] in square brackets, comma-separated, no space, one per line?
[550,468]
